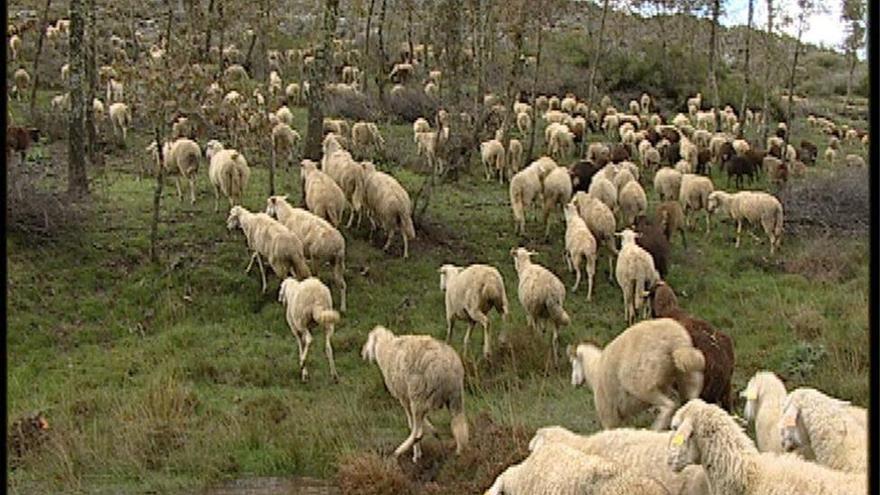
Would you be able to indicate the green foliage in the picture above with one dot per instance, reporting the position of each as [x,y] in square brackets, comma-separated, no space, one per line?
[802,359]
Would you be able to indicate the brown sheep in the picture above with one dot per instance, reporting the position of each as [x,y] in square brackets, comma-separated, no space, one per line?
[716,346]
[653,240]
[670,216]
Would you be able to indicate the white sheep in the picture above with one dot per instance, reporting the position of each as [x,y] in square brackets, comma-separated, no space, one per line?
[754,207]
[470,293]
[14,46]
[293,92]
[228,172]
[641,451]
[635,273]
[308,304]
[387,202]
[115,91]
[580,247]
[824,425]
[638,369]
[348,174]
[830,155]
[492,156]
[557,469]
[855,161]
[366,138]
[557,192]
[525,186]
[667,183]
[420,125]
[321,241]
[514,157]
[21,82]
[694,195]
[323,196]
[603,189]
[541,294]
[523,123]
[765,395]
[424,374]
[705,434]
[284,138]
[181,157]
[120,119]
[600,221]
[632,202]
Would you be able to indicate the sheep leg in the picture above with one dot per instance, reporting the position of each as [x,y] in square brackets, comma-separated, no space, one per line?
[339,281]
[262,273]
[707,221]
[666,406]
[350,219]
[412,438]
[405,245]
[216,199]
[486,339]
[177,183]
[591,271]
[449,324]
[467,338]
[328,350]
[567,258]
[251,264]
[388,242]
[555,346]
[304,372]
[739,226]
[577,271]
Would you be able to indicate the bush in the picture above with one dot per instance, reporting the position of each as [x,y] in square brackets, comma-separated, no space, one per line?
[835,205]
[410,104]
[350,105]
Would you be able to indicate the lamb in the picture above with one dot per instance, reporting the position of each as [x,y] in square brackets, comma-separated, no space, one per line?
[557,469]
[514,157]
[671,218]
[635,274]
[667,183]
[268,238]
[580,246]
[471,293]
[600,221]
[716,346]
[21,82]
[652,239]
[183,157]
[492,156]
[541,294]
[557,191]
[643,452]
[308,304]
[694,195]
[388,202]
[632,202]
[525,186]
[753,207]
[228,172]
[822,423]
[706,435]
[638,369]
[120,119]
[323,196]
[423,374]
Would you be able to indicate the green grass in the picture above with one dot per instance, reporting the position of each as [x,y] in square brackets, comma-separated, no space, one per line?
[181,374]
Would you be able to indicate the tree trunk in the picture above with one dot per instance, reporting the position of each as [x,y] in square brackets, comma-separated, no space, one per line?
[713,49]
[597,49]
[366,52]
[318,72]
[78,184]
[849,79]
[746,71]
[767,63]
[381,58]
[33,101]
[157,198]
[790,110]
[531,154]
[409,29]
[209,29]
[92,81]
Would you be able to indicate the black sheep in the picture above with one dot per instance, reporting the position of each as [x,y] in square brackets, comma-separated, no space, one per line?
[653,240]
[703,158]
[739,166]
[581,174]
[808,152]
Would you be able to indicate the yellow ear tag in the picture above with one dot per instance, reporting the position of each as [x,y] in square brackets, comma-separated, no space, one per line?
[677,440]
[751,394]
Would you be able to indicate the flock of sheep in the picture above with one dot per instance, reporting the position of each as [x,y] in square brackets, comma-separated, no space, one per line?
[670,359]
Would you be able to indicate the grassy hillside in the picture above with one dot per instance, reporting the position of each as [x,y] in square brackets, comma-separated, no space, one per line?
[181,374]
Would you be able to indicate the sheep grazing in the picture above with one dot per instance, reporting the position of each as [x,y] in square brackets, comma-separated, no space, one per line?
[21,81]
[557,192]
[492,156]
[424,374]
[308,304]
[694,195]
[580,247]
[323,196]
[120,119]
[525,186]
[267,238]
[635,274]
[643,452]
[632,202]
[387,202]
[670,216]
[811,419]
[652,239]
[470,294]
[638,369]
[181,157]
[366,138]
[708,436]
[667,183]
[541,294]
[754,207]
[228,172]
[716,346]
[600,221]
[557,469]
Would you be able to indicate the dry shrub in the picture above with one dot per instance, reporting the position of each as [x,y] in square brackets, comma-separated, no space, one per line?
[411,103]
[822,260]
[350,105]
[835,204]
[35,210]
[369,474]
[806,323]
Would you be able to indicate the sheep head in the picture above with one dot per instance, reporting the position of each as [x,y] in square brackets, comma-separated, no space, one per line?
[233,221]
[791,428]
[717,201]
[583,359]
[446,271]
[570,210]
[212,148]
[627,236]
[663,300]
[682,449]
[521,256]
[272,205]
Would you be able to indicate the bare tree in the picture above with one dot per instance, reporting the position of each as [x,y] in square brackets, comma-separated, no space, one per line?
[319,72]
[597,50]
[806,9]
[78,183]
[767,67]
[853,14]
[713,70]
[91,52]
[747,73]
[40,38]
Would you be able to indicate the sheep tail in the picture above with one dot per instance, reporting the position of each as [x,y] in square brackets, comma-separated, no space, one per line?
[778,226]
[688,359]
[459,423]
[406,224]
[191,165]
[325,317]
[516,204]
[558,313]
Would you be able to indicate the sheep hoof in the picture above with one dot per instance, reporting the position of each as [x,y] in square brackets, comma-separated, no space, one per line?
[304,376]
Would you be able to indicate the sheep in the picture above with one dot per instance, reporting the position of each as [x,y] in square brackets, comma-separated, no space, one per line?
[830,155]
[652,239]
[388,202]
[20,139]
[348,174]
[568,103]
[14,46]
[753,207]
[694,195]
[284,138]
[424,374]
[635,273]
[323,196]
[557,469]
[267,238]
[228,172]
[706,435]
[293,93]
[670,216]
[470,293]
[696,101]
[120,119]
[582,173]
[308,304]
[600,221]
[765,395]
[400,73]
[492,156]
[580,246]
[638,369]
[622,176]
[603,189]
[641,451]
[706,120]
[523,123]
[183,157]
[667,183]
[557,192]
[514,157]
[824,425]
[855,161]
[597,151]
[525,186]
[365,136]
[115,91]
[336,126]
[21,82]
[632,202]
[283,114]
[560,142]
[235,73]
[541,294]
[420,125]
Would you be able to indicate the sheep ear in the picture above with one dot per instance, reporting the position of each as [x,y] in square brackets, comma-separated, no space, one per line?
[682,433]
